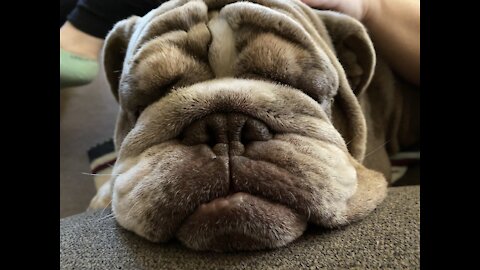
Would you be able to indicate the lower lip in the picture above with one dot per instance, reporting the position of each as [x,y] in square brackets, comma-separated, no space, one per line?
[224,202]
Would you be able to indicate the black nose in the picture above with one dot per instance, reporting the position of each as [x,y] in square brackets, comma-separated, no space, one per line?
[225,128]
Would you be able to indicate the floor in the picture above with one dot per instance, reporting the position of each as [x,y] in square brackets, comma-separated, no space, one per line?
[87,117]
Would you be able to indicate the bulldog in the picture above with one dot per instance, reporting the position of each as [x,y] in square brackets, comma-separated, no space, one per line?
[241,122]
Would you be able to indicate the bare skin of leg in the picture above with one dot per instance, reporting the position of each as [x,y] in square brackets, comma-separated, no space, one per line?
[80,43]
[394,26]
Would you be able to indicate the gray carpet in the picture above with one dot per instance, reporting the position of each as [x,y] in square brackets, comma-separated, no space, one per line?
[388,239]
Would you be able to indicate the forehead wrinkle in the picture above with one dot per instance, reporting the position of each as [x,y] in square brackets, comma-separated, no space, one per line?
[180,18]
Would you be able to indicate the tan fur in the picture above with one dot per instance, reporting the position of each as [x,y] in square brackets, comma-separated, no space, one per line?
[265,98]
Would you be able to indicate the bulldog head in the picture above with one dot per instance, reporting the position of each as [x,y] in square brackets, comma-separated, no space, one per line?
[225,134]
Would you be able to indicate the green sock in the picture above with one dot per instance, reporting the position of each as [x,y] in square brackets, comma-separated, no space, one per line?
[76,70]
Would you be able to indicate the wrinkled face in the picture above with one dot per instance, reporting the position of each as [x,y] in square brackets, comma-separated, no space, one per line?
[225,138]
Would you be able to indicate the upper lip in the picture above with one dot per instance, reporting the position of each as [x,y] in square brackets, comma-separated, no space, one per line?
[284,194]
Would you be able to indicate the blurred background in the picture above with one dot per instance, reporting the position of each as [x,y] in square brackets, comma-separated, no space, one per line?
[87,118]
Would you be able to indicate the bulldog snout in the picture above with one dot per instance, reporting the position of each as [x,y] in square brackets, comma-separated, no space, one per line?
[225,128]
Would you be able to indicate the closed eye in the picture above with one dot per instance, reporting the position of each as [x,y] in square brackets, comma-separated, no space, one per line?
[162,91]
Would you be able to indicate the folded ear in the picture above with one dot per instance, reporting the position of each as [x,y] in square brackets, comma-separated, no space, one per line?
[114,51]
[353,47]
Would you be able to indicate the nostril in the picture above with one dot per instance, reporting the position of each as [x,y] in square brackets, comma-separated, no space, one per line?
[211,136]
[224,129]
[210,130]
[197,133]
[254,130]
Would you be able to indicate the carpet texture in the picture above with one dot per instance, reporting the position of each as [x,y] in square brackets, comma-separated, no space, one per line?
[387,239]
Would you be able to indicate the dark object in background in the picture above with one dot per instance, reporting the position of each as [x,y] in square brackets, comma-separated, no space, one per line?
[97,17]
[66,6]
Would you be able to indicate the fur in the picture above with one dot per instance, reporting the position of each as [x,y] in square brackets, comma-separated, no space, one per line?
[242,122]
